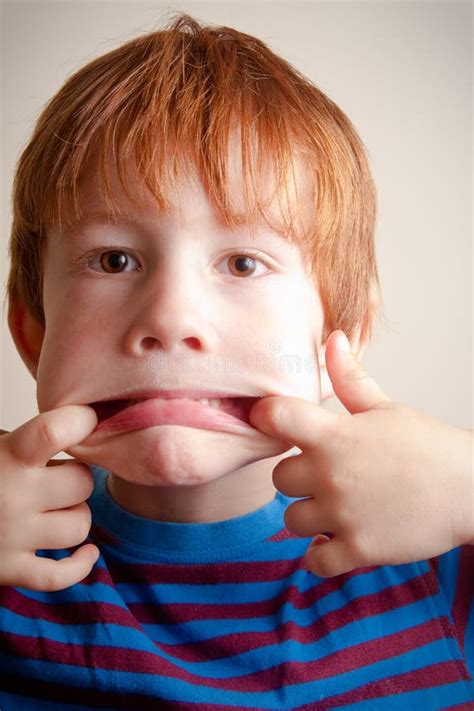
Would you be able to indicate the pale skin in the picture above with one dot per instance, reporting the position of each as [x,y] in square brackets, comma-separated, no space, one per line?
[391,484]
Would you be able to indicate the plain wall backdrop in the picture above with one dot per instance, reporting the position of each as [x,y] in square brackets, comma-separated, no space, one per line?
[401,71]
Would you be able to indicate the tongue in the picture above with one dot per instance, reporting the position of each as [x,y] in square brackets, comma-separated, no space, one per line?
[237,406]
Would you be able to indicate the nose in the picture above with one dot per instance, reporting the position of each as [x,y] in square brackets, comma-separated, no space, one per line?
[172,314]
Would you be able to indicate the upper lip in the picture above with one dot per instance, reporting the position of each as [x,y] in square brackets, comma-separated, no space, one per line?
[186,393]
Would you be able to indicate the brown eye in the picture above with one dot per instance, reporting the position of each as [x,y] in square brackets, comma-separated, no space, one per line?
[114,262]
[242,265]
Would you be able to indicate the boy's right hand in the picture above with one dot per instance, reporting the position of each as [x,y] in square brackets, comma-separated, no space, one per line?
[43,503]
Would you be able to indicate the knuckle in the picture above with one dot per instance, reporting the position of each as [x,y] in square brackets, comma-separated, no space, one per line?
[358,373]
[289,518]
[49,431]
[360,549]
[293,518]
[323,566]
[50,580]
[86,479]
[279,475]
[41,578]
[335,484]
[345,517]
[83,524]
[333,480]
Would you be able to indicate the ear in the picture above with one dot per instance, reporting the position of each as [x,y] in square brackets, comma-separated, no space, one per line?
[27,334]
[327,390]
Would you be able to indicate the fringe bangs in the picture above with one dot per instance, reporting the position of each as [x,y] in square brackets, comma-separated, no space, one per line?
[171,102]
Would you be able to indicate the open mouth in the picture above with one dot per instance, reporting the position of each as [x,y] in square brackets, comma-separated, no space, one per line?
[208,413]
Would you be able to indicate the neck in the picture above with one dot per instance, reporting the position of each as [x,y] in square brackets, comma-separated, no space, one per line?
[235,494]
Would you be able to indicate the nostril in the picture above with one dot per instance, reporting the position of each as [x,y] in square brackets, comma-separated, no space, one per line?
[149,343]
[193,343]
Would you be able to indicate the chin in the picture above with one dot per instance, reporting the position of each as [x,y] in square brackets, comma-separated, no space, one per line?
[173,455]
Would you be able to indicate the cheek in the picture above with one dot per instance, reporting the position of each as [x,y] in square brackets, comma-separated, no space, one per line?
[70,343]
[288,339]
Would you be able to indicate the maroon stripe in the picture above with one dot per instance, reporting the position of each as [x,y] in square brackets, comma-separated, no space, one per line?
[284,535]
[100,535]
[365,606]
[464,591]
[90,612]
[139,614]
[434,563]
[425,678]
[70,613]
[143,662]
[216,572]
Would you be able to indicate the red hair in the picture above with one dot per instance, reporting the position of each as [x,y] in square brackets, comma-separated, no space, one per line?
[172,98]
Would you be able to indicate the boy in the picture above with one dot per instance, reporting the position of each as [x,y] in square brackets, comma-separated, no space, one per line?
[189,214]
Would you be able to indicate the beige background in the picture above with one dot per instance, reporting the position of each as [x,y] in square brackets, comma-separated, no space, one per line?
[402,73]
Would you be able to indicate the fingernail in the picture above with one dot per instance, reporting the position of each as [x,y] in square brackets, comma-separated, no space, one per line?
[343,343]
[320,538]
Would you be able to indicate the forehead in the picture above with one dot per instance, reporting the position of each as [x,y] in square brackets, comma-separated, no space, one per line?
[188,194]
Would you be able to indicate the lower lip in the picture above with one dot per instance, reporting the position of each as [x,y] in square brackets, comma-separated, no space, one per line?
[189,413]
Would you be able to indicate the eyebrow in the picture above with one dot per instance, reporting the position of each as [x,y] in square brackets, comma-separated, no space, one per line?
[101,217]
[96,218]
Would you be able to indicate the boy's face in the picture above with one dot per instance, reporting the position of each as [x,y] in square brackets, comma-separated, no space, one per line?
[168,302]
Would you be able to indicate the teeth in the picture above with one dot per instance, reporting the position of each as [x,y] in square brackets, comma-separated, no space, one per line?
[213,402]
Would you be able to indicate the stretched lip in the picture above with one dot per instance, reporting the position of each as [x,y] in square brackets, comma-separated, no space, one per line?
[140,409]
[189,393]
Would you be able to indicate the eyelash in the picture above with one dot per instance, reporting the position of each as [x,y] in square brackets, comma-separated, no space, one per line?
[85,260]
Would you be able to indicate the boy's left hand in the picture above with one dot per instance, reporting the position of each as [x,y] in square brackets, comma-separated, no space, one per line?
[391,484]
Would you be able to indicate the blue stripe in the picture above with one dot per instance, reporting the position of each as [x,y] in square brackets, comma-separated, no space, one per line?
[469,640]
[448,571]
[374,627]
[230,593]
[370,627]
[437,698]
[84,594]
[286,697]
[257,659]
[373,581]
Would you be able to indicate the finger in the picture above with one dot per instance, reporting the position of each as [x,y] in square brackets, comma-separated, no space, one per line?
[294,420]
[294,477]
[49,433]
[328,558]
[46,575]
[63,486]
[352,384]
[62,529]
[306,518]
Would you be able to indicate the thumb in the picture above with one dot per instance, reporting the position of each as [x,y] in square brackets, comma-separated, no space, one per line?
[354,387]
[292,419]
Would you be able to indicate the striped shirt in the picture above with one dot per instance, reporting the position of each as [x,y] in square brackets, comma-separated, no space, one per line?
[220,616]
